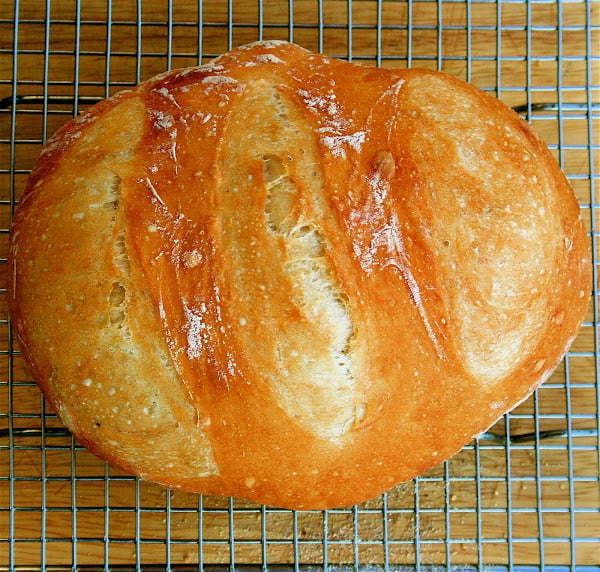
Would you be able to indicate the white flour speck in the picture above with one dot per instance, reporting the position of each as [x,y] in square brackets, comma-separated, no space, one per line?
[337,143]
[195,331]
[168,95]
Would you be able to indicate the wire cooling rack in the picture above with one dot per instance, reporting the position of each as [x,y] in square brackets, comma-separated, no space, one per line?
[524,496]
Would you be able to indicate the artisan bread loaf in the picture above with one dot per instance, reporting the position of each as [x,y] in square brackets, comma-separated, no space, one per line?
[292,279]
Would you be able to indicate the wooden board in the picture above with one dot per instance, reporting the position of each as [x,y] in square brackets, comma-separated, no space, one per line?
[530,503]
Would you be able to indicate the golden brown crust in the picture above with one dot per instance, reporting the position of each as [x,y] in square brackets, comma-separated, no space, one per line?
[291,279]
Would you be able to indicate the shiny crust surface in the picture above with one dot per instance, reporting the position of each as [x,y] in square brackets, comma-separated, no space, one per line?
[291,279]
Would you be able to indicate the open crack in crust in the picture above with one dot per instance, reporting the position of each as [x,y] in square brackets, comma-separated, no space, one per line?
[291,279]
[287,252]
[106,379]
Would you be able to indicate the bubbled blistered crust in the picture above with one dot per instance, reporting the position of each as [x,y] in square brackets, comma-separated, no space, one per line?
[292,279]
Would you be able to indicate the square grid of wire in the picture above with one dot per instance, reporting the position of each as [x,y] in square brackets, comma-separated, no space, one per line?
[526,495]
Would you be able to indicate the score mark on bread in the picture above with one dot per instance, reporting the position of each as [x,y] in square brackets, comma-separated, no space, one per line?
[291,279]
[311,382]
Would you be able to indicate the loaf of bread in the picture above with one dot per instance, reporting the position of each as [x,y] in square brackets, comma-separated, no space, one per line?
[292,279]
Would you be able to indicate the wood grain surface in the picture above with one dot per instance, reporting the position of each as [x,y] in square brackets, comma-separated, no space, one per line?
[530,503]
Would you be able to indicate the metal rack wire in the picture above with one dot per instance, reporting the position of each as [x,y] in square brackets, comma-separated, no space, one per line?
[524,496]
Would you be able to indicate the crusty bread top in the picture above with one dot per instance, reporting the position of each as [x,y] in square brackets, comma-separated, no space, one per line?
[292,279]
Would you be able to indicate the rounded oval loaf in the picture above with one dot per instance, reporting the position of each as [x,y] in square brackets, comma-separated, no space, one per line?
[291,279]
